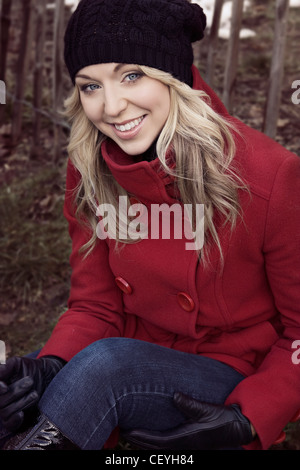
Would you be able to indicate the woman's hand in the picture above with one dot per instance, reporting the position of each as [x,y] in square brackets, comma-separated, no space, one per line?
[208,426]
[22,382]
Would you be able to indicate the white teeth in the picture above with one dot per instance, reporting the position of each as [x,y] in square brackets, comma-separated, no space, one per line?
[129,125]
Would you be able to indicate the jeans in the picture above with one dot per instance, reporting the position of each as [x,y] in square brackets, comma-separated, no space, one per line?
[129,383]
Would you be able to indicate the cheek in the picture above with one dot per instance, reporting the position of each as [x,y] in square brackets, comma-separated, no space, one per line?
[163,111]
[155,97]
[162,103]
[167,107]
[92,112]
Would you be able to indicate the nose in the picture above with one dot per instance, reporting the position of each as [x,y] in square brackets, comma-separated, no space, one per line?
[114,102]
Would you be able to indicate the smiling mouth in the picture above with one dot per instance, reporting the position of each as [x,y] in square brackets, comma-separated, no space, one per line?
[129,125]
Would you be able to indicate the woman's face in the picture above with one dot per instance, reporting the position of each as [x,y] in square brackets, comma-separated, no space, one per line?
[125,105]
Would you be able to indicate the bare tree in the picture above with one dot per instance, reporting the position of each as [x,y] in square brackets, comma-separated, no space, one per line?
[277,67]
[40,8]
[233,52]
[22,68]
[5,8]
[213,38]
[58,61]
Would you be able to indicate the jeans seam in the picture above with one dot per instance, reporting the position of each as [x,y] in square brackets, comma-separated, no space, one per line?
[115,404]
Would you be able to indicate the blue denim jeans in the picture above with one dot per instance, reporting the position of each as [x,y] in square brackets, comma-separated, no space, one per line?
[129,383]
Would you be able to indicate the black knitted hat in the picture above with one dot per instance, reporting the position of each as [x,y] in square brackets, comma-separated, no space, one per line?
[156,33]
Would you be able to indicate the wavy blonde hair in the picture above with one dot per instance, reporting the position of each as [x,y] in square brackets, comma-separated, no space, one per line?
[202,142]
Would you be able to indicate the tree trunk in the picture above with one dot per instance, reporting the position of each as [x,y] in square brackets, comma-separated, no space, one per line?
[213,39]
[22,68]
[40,8]
[233,52]
[58,62]
[5,7]
[277,67]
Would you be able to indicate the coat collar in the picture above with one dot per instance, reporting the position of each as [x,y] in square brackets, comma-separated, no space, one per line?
[147,181]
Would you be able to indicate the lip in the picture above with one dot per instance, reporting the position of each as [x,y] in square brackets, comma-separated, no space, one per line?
[126,135]
[126,122]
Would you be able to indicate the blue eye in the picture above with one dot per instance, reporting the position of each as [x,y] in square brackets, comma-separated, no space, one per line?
[89,88]
[132,77]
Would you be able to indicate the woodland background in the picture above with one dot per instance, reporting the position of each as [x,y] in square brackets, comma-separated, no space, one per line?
[34,240]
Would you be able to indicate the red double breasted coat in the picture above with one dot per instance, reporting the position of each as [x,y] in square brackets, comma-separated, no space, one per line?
[245,313]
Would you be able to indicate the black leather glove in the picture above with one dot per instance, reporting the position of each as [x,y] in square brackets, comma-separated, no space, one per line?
[22,382]
[208,427]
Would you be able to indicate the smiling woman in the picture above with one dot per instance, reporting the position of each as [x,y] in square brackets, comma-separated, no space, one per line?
[124,104]
[177,348]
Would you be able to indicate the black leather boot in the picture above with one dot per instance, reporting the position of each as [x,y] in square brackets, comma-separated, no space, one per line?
[42,436]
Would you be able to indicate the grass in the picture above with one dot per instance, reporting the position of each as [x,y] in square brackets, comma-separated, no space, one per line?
[34,258]
[30,246]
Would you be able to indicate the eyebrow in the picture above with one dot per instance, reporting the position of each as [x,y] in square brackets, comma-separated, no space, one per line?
[116,69]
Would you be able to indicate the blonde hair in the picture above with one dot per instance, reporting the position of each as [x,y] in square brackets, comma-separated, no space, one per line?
[202,142]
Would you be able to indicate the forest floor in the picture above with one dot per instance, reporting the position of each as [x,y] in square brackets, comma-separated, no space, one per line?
[34,240]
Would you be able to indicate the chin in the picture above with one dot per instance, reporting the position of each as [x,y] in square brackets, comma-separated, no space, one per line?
[134,149]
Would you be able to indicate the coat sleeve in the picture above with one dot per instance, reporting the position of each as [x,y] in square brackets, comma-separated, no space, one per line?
[95,308]
[271,396]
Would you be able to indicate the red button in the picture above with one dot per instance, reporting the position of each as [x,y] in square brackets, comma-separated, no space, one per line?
[185,301]
[123,285]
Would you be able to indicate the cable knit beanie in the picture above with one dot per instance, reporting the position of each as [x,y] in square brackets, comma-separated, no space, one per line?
[156,33]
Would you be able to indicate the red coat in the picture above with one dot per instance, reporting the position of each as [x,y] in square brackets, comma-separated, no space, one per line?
[245,314]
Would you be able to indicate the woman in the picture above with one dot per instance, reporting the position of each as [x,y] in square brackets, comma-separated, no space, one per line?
[179,348]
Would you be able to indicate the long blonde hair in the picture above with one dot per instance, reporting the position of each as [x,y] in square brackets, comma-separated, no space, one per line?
[202,142]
